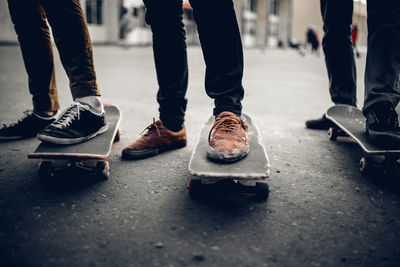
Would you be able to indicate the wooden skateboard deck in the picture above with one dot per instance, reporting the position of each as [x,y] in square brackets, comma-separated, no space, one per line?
[97,148]
[252,169]
[350,122]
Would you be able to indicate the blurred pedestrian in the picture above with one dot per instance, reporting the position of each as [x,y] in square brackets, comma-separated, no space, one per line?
[312,39]
[296,45]
[222,49]
[125,26]
[128,23]
[382,73]
[315,44]
[309,35]
[85,118]
[354,38]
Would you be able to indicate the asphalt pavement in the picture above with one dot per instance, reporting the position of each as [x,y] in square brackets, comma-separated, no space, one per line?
[321,210]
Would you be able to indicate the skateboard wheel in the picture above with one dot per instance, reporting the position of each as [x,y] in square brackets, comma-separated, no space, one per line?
[194,187]
[333,134]
[262,191]
[117,136]
[365,165]
[46,169]
[103,169]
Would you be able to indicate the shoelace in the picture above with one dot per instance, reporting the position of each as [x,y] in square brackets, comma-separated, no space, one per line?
[68,116]
[227,124]
[26,114]
[393,118]
[390,117]
[150,129]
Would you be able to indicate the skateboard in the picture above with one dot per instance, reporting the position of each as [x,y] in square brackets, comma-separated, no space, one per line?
[252,171]
[350,122]
[84,158]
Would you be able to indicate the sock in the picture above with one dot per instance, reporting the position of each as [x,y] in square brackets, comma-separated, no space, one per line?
[44,116]
[92,101]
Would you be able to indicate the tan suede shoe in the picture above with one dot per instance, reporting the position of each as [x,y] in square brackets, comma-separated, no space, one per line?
[228,139]
[155,140]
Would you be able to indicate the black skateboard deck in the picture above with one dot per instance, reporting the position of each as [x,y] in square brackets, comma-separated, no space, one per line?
[96,149]
[254,169]
[350,122]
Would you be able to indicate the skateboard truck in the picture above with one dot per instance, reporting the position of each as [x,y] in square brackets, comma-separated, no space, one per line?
[370,163]
[75,167]
[334,133]
[259,189]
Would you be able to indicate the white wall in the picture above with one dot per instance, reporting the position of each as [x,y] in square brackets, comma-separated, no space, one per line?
[306,12]
[7,33]
[103,34]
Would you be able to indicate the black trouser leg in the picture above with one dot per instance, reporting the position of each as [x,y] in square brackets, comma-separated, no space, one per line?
[382,74]
[169,46]
[34,39]
[71,36]
[338,49]
[223,53]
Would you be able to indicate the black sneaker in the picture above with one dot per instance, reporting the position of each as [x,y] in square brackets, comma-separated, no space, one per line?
[76,124]
[382,123]
[26,127]
[319,124]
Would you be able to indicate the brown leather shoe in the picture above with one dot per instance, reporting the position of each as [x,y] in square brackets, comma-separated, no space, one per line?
[155,140]
[228,139]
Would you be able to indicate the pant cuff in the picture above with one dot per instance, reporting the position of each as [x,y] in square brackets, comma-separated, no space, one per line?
[378,100]
[52,105]
[89,89]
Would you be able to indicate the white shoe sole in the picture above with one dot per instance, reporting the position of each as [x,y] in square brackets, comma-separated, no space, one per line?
[224,156]
[11,138]
[71,141]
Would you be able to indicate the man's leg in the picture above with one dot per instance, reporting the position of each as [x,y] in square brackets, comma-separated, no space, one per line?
[382,74]
[223,54]
[72,38]
[338,50]
[85,118]
[339,55]
[169,47]
[34,38]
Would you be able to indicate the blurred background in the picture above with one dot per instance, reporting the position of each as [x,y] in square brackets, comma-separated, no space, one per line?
[263,23]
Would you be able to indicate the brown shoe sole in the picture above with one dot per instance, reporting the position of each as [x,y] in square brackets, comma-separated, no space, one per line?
[146,153]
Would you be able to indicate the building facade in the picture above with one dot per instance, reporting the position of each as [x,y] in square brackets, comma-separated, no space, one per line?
[273,23]
[102,17]
[263,23]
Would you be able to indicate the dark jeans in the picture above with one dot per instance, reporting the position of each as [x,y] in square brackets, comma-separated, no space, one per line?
[338,48]
[222,50]
[73,42]
[382,74]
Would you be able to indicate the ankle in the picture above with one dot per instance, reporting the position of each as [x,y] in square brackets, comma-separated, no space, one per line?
[45,114]
[93,101]
[173,127]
